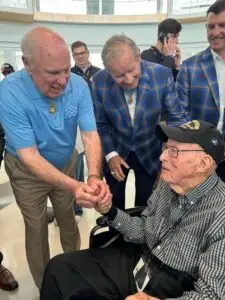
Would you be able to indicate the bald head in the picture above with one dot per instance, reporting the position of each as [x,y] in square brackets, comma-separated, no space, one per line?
[46,58]
[39,41]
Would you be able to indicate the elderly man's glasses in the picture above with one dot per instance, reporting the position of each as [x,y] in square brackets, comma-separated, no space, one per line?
[173,151]
[80,53]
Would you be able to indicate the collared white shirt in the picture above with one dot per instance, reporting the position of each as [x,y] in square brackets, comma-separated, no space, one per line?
[220,72]
[131,108]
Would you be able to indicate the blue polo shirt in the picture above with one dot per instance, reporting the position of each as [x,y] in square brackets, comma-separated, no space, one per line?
[27,119]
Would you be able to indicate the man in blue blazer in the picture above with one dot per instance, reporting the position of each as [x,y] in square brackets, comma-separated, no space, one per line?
[130,96]
[201,80]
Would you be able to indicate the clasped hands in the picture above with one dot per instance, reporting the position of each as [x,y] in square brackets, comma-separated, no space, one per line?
[95,193]
[141,296]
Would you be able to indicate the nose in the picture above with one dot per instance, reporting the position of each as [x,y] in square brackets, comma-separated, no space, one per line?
[163,154]
[216,31]
[62,80]
[128,78]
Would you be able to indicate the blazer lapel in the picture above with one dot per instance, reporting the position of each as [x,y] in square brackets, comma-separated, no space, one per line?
[208,67]
[120,103]
[143,95]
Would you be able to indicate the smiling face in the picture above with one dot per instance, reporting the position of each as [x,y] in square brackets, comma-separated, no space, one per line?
[125,69]
[216,32]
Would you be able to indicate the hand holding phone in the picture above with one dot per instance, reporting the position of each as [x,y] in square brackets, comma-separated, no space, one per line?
[169,47]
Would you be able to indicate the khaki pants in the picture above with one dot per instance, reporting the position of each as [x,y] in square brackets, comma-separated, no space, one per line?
[31,196]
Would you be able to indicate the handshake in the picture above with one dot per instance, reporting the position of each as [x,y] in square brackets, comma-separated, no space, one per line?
[93,194]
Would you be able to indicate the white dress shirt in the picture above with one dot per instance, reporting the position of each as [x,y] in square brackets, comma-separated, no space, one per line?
[220,72]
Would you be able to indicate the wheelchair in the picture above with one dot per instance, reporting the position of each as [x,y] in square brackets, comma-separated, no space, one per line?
[112,237]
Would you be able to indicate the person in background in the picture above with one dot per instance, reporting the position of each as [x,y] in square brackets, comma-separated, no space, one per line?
[6,69]
[40,108]
[7,281]
[201,81]
[166,52]
[126,119]
[83,66]
[175,249]
[86,70]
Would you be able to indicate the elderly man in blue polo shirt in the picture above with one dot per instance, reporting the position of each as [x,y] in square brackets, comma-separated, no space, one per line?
[40,108]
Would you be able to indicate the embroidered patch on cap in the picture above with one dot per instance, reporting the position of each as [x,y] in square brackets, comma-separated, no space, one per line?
[193,125]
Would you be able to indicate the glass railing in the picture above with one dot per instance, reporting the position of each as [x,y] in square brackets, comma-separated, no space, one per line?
[112,7]
[102,7]
[188,7]
[14,3]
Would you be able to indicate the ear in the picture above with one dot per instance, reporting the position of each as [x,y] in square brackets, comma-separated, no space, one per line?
[26,64]
[205,163]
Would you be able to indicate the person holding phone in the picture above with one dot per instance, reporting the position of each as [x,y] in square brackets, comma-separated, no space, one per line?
[166,52]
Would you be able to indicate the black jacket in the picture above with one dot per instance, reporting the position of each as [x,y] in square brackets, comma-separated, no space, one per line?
[153,55]
[2,143]
[87,74]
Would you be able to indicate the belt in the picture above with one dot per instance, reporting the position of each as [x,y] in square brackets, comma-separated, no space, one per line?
[176,274]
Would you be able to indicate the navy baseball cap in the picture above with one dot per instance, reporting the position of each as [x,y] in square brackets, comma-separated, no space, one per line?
[198,132]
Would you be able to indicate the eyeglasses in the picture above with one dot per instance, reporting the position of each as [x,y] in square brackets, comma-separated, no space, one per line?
[173,151]
[80,53]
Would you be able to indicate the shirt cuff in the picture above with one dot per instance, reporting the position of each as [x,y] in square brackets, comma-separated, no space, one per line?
[111,155]
[111,214]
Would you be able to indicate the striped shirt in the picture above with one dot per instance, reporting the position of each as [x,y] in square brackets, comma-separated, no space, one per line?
[196,245]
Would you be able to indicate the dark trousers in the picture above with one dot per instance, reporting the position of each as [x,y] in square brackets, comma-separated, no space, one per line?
[143,183]
[91,274]
[220,171]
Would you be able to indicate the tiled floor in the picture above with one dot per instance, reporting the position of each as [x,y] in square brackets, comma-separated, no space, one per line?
[12,238]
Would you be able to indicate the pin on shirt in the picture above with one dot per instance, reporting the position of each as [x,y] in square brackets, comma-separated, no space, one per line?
[52,108]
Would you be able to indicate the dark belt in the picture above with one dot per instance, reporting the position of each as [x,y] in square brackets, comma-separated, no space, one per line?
[178,275]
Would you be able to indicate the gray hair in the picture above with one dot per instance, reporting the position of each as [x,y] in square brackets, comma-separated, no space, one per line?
[112,49]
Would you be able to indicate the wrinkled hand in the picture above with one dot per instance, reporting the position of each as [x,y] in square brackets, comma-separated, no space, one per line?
[85,195]
[177,58]
[101,190]
[169,47]
[115,165]
[141,296]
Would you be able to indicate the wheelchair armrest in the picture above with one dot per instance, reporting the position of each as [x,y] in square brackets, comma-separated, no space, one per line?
[133,212]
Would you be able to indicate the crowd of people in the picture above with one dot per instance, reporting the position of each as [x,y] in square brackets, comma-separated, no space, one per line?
[144,112]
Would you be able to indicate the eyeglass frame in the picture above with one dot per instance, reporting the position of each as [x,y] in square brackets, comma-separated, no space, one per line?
[169,148]
[80,53]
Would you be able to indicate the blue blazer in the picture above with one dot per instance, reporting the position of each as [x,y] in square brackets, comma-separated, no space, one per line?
[156,94]
[198,88]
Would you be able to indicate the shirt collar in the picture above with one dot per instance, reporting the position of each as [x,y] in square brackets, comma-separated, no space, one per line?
[198,192]
[130,92]
[201,189]
[215,55]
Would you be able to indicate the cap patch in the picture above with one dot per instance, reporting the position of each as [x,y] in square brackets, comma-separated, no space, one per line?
[193,125]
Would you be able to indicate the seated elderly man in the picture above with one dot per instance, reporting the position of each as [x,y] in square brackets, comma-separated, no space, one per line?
[175,250]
